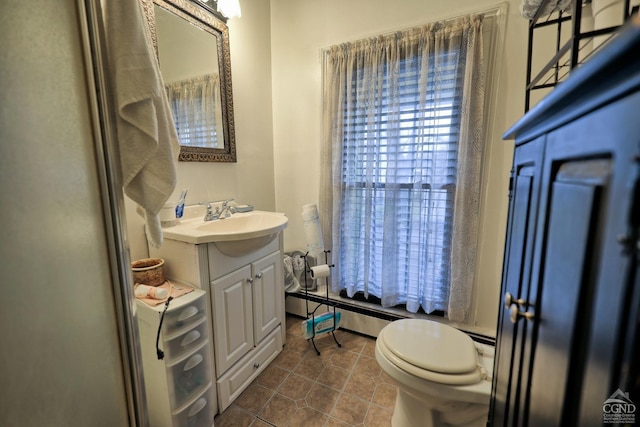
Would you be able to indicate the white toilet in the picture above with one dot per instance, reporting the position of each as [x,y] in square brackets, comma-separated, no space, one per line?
[443,377]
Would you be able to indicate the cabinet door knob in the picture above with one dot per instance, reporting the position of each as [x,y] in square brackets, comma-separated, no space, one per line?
[509,300]
[259,276]
[516,314]
[256,365]
[250,279]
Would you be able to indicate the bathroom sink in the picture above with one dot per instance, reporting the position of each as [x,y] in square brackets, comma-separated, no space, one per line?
[242,224]
[250,228]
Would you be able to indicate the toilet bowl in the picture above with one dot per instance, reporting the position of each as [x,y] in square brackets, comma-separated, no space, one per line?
[443,377]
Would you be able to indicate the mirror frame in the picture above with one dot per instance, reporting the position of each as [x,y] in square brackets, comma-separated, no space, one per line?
[213,23]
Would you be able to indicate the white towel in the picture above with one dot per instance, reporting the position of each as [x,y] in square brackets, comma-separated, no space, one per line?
[147,138]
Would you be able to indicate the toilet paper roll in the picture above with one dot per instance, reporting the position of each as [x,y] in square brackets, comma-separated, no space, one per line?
[144,291]
[312,229]
[320,271]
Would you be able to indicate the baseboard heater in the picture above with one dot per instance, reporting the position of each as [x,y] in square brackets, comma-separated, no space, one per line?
[354,307]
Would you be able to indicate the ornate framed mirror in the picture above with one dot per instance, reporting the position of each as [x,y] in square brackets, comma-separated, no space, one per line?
[192,46]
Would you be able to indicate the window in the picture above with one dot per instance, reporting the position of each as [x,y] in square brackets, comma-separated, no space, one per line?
[404,166]
[193,105]
[398,126]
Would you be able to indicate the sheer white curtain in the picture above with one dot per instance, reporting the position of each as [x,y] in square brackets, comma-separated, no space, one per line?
[197,115]
[403,136]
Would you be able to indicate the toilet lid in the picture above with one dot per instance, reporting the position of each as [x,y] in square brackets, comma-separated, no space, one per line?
[431,350]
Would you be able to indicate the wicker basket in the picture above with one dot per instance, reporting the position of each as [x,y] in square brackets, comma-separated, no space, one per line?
[148,271]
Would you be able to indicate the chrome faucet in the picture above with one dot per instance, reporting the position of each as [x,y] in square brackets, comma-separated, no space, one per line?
[211,215]
[227,210]
[223,213]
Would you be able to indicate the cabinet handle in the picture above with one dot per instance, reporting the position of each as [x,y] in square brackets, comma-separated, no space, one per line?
[190,338]
[250,279]
[516,314]
[197,407]
[256,365]
[187,313]
[259,276]
[193,362]
[513,305]
[509,300]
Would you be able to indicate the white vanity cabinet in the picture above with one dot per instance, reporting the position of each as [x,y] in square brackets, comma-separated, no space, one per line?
[245,294]
[247,306]
[180,388]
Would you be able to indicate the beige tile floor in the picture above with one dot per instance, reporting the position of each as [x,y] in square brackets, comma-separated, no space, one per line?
[341,387]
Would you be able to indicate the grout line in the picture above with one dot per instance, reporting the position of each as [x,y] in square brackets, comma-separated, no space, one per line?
[264,421]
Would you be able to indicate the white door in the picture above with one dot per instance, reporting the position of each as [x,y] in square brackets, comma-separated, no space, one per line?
[267,295]
[233,320]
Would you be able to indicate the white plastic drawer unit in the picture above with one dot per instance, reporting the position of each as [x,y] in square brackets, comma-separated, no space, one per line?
[199,413]
[190,375]
[180,387]
[192,309]
[182,341]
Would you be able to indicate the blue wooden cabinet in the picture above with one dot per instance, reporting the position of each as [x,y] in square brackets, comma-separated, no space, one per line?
[568,335]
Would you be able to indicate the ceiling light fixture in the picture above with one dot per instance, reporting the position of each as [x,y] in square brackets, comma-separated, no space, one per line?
[229,8]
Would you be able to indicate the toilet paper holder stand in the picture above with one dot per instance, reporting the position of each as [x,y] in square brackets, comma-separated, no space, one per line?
[327,322]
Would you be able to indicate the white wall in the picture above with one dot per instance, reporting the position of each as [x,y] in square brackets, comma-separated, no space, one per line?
[300,29]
